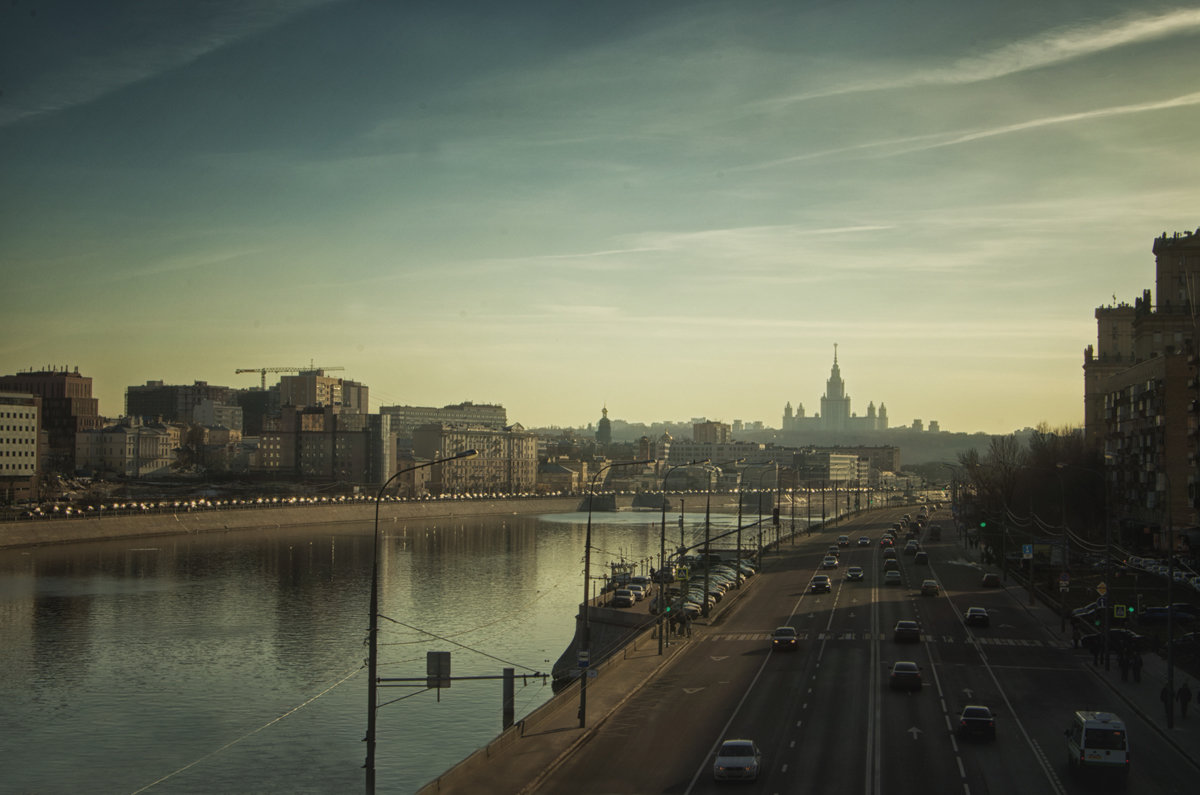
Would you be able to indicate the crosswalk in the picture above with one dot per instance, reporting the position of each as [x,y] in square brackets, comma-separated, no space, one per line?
[852,635]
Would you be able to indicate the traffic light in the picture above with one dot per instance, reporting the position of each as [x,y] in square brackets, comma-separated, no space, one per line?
[983,524]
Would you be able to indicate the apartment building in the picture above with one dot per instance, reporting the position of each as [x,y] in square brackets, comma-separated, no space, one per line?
[67,407]
[507,462]
[19,434]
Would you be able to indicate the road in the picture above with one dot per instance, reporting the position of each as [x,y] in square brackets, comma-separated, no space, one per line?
[824,716]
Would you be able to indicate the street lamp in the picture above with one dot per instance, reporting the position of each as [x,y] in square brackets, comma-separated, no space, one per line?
[585,645]
[373,632]
[662,546]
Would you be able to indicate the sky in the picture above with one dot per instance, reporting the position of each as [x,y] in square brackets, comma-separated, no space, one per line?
[669,209]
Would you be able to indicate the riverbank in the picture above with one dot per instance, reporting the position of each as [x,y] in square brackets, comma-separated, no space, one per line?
[42,532]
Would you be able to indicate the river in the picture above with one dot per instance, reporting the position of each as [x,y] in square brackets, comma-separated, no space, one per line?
[235,662]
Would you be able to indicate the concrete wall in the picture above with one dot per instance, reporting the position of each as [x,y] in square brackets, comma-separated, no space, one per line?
[38,532]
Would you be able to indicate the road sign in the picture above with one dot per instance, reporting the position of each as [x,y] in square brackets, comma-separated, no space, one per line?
[585,657]
[1101,602]
[1102,589]
[1064,579]
[1027,551]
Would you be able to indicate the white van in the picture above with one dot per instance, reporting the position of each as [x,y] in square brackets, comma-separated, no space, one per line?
[1097,741]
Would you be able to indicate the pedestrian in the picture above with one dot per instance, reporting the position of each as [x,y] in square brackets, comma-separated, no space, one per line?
[1123,661]
[1185,698]
[1137,667]
[1075,636]
[1168,699]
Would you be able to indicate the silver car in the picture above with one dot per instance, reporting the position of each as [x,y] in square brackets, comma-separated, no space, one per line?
[737,760]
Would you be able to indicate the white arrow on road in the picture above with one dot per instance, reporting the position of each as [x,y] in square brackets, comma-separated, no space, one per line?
[969,693]
[691,691]
[914,731]
[718,659]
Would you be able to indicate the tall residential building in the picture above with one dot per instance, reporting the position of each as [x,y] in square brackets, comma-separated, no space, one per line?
[314,388]
[406,418]
[1142,400]
[173,403]
[712,433]
[67,408]
[19,433]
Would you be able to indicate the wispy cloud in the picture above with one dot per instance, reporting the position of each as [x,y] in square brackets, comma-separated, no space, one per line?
[173,35]
[1054,47]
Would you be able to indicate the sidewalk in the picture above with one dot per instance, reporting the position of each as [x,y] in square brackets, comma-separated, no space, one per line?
[1141,697]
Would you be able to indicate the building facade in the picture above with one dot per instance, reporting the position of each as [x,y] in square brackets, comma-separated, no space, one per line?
[507,460]
[323,444]
[1142,400]
[315,389]
[67,407]
[405,419]
[128,449]
[19,434]
[173,403]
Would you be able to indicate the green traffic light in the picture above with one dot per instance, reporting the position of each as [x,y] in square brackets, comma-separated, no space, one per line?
[982,525]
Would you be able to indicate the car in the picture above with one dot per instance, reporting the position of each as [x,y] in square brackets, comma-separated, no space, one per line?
[977,617]
[905,675]
[864,541]
[889,554]
[977,720]
[891,577]
[623,597]
[929,588]
[833,550]
[911,547]
[990,580]
[855,573]
[1178,613]
[906,632]
[921,558]
[784,639]
[638,591]
[891,564]
[737,760]
[820,584]
[887,541]
[843,541]
[829,562]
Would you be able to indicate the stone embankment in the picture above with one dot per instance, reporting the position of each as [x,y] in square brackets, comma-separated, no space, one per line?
[40,532]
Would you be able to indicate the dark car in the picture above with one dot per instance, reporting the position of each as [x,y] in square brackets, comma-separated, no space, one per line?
[976,617]
[991,580]
[977,721]
[906,632]
[929,588]
[1179,613]
[921,558]
[820,584]
[784,639]
[906,675]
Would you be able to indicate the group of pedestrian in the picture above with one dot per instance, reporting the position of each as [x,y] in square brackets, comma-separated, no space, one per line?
[1183,695]
[1130,662]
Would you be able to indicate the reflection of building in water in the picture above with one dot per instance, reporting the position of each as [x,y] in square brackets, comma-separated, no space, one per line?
[835,410]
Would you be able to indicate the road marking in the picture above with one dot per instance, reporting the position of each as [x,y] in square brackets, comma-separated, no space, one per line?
[914,731]
[718,658]
[691,691]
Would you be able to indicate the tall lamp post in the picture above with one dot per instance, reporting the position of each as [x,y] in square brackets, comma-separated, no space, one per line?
[585,645]
[662,546]
[373,632]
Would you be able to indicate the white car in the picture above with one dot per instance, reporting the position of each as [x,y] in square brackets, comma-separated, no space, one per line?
[737,760]
[830,562]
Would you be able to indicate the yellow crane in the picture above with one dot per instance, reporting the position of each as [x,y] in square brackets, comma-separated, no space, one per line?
[264,370]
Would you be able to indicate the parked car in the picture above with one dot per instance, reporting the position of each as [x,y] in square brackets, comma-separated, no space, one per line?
[905,675]
[977,721]
[906,632]
[784,639]
[622,597]
[977,617]
[737,760]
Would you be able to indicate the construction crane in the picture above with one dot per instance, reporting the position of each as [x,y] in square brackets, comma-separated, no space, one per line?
[264,370]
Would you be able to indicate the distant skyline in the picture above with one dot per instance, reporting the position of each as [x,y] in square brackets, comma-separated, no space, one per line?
[672,209]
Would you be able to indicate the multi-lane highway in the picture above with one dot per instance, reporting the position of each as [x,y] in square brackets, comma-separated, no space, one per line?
[824,716]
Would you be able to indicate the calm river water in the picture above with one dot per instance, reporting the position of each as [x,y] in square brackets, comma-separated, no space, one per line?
[236,662]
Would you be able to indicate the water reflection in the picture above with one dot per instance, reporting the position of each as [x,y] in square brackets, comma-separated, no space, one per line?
[181,661]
